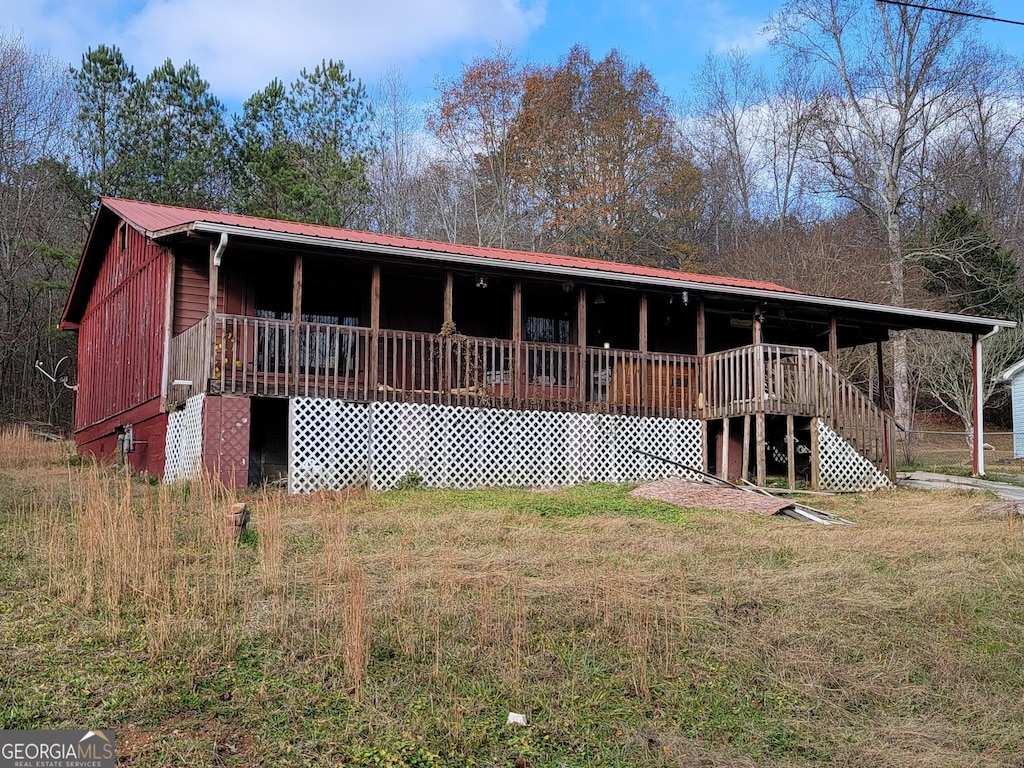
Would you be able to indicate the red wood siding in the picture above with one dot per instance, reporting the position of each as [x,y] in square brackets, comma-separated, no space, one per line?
[191,291]
[149,424]
[121,336]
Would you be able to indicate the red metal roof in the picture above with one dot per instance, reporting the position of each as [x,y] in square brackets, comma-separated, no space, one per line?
[154,219]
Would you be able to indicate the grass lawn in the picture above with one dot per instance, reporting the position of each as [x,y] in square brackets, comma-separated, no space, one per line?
[401,629]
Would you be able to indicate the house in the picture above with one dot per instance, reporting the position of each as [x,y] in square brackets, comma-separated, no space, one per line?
[1014,375]
[257,349]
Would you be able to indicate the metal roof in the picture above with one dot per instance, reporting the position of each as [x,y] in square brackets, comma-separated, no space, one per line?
[160,220]
[163,222]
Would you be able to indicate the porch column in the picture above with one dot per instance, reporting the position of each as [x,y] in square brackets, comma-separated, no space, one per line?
[216,254]
[978,402]
[881,375]
[448,366]
[374,330]
[449,290]
[165,382]
[703,375]
[517,338]
[758,333]
[646,366]
[296,319]
[583,393]
[702,343]
[833,342]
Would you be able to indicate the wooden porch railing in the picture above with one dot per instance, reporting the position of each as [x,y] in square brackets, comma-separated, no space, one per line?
[277,358]
[189,360]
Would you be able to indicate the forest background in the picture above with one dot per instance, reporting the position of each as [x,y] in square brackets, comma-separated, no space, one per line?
[881,159]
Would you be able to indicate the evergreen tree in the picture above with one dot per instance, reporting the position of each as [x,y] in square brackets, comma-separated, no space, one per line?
[173,140]
[969,269]
[102,86]
[301,153]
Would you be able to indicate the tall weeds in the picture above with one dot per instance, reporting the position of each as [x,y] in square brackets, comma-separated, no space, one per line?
[19,448]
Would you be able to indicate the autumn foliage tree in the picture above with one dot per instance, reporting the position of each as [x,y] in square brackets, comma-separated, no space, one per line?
[474,119]
[602,163]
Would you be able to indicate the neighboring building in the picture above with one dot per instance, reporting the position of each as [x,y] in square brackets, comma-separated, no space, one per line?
[257,348]
[1015,376]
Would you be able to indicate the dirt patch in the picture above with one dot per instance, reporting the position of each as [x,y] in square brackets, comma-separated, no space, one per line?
[685,493]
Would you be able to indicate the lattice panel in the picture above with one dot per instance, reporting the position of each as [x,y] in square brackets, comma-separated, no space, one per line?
[842,468]
[184,447]
[335,444]
[328,444]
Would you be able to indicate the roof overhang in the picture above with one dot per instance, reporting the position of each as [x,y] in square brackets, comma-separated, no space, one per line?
[894,318]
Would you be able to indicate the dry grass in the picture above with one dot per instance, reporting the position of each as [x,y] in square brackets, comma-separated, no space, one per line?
[19,448]
[357,627]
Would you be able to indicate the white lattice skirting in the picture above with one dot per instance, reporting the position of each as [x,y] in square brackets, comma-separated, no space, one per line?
[842,468]
[334,444]
[184,445]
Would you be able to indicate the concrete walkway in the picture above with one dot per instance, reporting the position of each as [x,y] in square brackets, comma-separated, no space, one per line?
[933,481]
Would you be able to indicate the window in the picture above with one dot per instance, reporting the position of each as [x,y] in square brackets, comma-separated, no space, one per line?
[547,366]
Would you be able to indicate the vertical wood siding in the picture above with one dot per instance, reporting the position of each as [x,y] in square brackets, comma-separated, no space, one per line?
[121,337]
[191,291]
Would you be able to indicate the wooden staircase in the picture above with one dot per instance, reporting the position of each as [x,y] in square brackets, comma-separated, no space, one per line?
[771,379]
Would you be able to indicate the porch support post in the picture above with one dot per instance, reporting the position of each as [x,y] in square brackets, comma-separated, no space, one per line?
[449,368]
[881,375]
[702,344]
[762,470]
[833,341]
[646,366]
[517,338]
[216,254]
[977,400]
[758,334]
[296,319]
[165,388]
[790,452]
[723,470]
[581,339]
[745,471]
[815,455]
[374,331]
[703,378]
[449,290]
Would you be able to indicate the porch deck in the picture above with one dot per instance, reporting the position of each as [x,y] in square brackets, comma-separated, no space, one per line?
[273,358]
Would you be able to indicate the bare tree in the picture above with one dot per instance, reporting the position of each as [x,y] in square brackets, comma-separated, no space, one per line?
[893,76]
[728,91]
[943,363]
[396,155]
[39,215]
[788,118]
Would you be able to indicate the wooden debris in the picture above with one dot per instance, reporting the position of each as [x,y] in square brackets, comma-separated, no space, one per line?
[790,508]
[235,521]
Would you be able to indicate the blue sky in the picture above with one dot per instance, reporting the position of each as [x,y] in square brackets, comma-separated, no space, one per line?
[240,46]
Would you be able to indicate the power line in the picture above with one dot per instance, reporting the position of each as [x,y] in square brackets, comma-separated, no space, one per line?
[950,11]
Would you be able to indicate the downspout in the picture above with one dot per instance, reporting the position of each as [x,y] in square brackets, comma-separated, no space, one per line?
[209,364]
[978,428]
[222,246]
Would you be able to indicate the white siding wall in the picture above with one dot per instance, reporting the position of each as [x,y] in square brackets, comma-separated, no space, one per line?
[1017,393]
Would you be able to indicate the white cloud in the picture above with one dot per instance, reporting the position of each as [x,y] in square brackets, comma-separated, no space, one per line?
[723,29]
[240,46]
